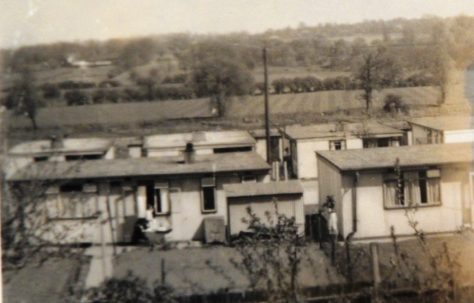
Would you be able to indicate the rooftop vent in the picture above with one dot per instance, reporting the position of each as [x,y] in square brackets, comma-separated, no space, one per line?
[56,142]
[189,153]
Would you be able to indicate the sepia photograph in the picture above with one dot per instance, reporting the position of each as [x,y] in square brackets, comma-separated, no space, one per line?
[265,151]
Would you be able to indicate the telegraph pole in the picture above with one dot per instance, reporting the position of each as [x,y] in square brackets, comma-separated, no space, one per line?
[267,114]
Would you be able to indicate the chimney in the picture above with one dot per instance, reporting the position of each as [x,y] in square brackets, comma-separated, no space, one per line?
[56,142]
[189,153]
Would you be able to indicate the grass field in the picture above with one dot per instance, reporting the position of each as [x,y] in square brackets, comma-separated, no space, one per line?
[48,282]
[293,72]
[327,101]
[238,107]
[113,114]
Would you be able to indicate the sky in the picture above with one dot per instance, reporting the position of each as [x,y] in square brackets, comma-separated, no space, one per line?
[27,22]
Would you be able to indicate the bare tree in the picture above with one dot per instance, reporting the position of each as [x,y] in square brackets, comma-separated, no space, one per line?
[271,255]
[375,69]
[23,97]
[29,233]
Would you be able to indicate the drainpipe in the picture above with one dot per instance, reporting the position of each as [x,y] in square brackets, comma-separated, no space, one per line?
[354,224]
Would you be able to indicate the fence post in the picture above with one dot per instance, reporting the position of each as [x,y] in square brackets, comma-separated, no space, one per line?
[374,252]
[349,261]
[333,248]
[320,236]
[163,271]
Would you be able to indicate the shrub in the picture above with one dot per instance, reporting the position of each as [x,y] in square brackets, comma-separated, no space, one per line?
[76,97]
[178,78]
[50,91]
[173,92]
[69,84]
[130,94]
[394,104]
[130,289]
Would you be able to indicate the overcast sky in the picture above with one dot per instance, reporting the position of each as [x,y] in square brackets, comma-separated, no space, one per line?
[39,21]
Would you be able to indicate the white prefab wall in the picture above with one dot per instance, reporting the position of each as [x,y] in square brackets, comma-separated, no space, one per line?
[261,148]
[119,207]
[354,143]
[459,136]
[310,191]
[307,165]
[375,221]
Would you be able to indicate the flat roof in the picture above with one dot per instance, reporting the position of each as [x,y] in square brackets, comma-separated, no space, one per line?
[200,138]
[140,167]
[261,133]
[263,189]
[341,130]
[385,157]
[70,145]
[445,122]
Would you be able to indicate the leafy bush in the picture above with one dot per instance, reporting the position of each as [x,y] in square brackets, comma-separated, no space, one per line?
[50,91]
[130,289]
[130,94]
[77,97]
[394,104]
[178,78]
[174,92]
[69,84]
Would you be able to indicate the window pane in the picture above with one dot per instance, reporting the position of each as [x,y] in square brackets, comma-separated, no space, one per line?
[433,190]
[157,206]
[208,197]
[423,190]
[390,194]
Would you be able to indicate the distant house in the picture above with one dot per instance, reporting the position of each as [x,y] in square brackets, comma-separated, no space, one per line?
[101,200]
[276,143]
[377,189]
[449,129]
[204,142]
[266,200]
[305,140]
[71,61]
[58,149]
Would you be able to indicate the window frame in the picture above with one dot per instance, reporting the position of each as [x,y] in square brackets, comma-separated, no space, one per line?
[163,189]
[405,204]
[208,183]
[62,199]
[342,142]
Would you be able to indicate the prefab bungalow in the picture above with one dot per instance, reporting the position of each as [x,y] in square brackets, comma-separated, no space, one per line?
[204,142]
[266,201]
[100,201]
[449,129]
[276,144]
[377,189]
[305,140]
[58,149]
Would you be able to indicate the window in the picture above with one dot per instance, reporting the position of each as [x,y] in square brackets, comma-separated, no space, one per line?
[249,179]
[337,144]
[83,157]
[377,142]
[413,188]
[157,197]
[222,150]
[41,158]
[72,201]
[208,195]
